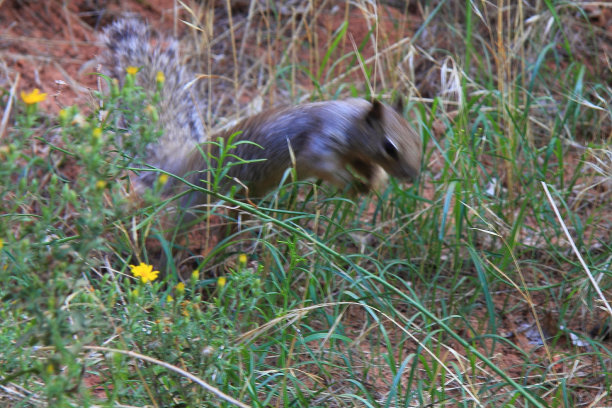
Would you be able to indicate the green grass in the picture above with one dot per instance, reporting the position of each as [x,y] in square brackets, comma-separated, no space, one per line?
[419,295]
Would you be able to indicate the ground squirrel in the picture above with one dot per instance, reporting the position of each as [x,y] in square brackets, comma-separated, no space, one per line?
[345,142]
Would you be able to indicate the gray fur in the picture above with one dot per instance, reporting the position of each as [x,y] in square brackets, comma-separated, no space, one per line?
[326,137]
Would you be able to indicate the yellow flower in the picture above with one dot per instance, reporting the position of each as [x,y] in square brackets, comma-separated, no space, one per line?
[96,133]
[132,70]
[242,260]
[169,299]
[221,282]
[162,179]
[195,276]
[144,272]
[160,77]
[1,243]
[180,287]
[33,97]
[100,184]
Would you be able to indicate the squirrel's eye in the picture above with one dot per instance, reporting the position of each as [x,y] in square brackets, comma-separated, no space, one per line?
[391,149]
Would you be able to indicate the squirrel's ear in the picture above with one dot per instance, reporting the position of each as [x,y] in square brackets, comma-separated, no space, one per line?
[398,105]
[376,111]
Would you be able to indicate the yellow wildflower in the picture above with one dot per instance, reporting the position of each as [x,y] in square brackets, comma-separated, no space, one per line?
[162,179]
[160,77]
[1,243]
[132,70]
[221,282]
[180,287]
[144,272]
[33,97]
[195,276]
[96,133]
[100,184]
[169,299]
[242,260]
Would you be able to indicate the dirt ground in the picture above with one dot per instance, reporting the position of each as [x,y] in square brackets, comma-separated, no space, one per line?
[52,45]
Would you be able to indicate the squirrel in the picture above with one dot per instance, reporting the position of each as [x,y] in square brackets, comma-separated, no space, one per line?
[344,142]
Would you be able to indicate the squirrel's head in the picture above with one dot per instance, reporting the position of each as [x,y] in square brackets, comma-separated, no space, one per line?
[395,144]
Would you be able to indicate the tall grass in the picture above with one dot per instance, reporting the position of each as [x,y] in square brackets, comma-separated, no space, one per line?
[459,290]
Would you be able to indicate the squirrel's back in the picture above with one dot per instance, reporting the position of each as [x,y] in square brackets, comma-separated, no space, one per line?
[344,142]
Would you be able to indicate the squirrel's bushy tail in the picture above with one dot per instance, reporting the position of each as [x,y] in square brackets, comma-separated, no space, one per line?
[128,42]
